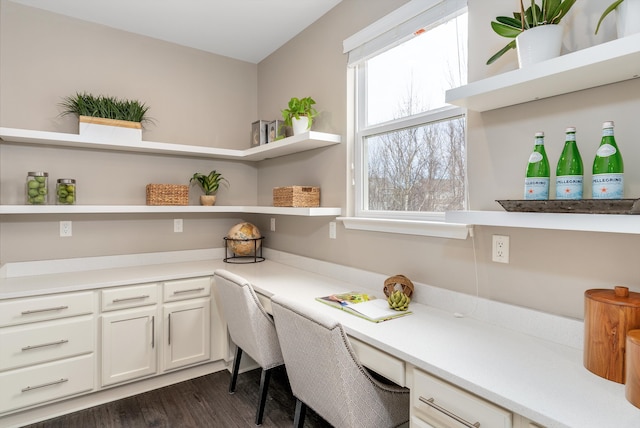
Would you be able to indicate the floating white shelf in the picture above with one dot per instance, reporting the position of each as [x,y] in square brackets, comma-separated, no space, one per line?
[612,223]
[146,209]
[598,65]
[299,143]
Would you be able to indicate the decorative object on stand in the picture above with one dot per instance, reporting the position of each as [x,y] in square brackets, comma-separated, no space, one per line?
[167,194]
[300,114]
[276,131]
[296,196]
[535,31]
[627,13]
[244,241]
[209,184]
[398,289]
[259,133]
[105,117]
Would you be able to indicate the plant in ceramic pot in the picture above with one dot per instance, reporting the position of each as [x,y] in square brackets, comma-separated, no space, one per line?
[627,21]
[535,19]
[209,184]
[300,114]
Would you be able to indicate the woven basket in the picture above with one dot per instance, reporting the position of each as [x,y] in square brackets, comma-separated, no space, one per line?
[296,196]
[398,282]
[167,194]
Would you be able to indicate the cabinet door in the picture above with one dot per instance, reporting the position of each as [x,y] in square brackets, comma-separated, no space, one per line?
[128,345]
[186,336]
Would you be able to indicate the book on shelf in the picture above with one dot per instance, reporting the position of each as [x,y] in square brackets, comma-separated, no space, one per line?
[362,305]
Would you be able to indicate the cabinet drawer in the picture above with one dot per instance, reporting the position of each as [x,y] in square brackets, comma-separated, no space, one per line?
[129,297]
[440,403]
[187,289]
[380,362]
[33,309]
[45,382]
[46,341]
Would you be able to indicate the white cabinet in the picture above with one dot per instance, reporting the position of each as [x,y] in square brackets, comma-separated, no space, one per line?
[129,335]
[47,349]
[186,330]
[438,404]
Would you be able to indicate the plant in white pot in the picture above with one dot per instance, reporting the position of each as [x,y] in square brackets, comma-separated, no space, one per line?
[535,31]
[627,17]
[300,114]
[209,184]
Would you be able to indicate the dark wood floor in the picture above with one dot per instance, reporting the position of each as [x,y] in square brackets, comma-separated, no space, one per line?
[200,402]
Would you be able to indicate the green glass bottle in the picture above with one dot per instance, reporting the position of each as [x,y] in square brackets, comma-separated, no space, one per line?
[608,168]
[569,172]
[536,182]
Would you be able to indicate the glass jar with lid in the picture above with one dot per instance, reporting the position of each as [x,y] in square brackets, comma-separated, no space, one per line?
[66,191]
[37,188]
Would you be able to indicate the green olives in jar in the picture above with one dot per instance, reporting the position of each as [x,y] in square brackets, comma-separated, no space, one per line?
[66,191]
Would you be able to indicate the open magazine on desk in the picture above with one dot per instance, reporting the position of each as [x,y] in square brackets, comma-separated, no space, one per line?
[362,305]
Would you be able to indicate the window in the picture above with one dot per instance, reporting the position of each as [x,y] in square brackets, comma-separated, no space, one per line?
[410,144]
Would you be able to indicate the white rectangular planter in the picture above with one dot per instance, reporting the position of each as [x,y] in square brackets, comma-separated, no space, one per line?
[101,129]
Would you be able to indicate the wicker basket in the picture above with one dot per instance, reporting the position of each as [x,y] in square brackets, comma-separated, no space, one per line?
[296,196]
[167,194]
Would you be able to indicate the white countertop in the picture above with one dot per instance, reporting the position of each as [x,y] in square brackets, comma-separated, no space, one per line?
[541,380]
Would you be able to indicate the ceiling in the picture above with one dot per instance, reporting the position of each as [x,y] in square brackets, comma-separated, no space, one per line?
[248,30]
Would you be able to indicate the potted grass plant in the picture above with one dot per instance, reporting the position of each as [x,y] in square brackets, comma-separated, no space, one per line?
[627,13]
[107,117]
[534,30]
[299,115]
[209,184]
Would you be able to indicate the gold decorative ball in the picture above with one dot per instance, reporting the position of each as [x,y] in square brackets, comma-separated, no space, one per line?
[240,239]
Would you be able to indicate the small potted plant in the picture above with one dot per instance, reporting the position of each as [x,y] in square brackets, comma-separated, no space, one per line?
[627,16]
[209,184]
[123,117]
[543,19]
[300,114]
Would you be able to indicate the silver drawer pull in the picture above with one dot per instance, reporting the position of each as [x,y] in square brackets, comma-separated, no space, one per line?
[191,290]
[55,382]
[35,311]
[125,299]
[59,342]
[430,402]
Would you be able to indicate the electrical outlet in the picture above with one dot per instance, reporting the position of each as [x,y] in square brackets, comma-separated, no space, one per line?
[500,249]
[273,224]
[332,230]
[65,229]
[177,225]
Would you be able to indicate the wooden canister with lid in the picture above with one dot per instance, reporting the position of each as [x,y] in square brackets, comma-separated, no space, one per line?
[608,316]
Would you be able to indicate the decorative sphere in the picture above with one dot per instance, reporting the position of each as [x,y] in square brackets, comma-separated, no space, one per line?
[243,231]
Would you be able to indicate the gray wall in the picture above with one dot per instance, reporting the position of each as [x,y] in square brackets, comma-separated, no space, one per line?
[549,270]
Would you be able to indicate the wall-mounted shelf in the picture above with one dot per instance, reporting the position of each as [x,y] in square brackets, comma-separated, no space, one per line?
[598,65]
[146,209]
[299,143]
[612,223]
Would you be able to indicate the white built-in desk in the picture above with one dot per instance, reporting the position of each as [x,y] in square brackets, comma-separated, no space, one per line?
[538,379]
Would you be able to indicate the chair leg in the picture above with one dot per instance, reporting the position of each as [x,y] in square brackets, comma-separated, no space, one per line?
[301,411]
[236,368]
[264,386]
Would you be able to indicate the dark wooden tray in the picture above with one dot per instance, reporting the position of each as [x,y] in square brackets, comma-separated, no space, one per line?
[583,206]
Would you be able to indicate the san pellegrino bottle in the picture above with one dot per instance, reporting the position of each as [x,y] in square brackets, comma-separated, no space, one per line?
[608,168]
[569,171]
[536,183]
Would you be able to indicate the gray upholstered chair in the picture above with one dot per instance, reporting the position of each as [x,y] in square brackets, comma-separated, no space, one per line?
[251,328]
[325,374]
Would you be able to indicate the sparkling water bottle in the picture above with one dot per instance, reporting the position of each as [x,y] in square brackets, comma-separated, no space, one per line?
[536,183]
[608,168]
[569,172]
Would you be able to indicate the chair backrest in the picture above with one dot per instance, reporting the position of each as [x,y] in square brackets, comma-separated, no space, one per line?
[250,326]
[325,374]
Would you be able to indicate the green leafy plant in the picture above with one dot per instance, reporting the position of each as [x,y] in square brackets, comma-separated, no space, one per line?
[607,11]
[209,183]
[551,12]
[83,104]
[299,107]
